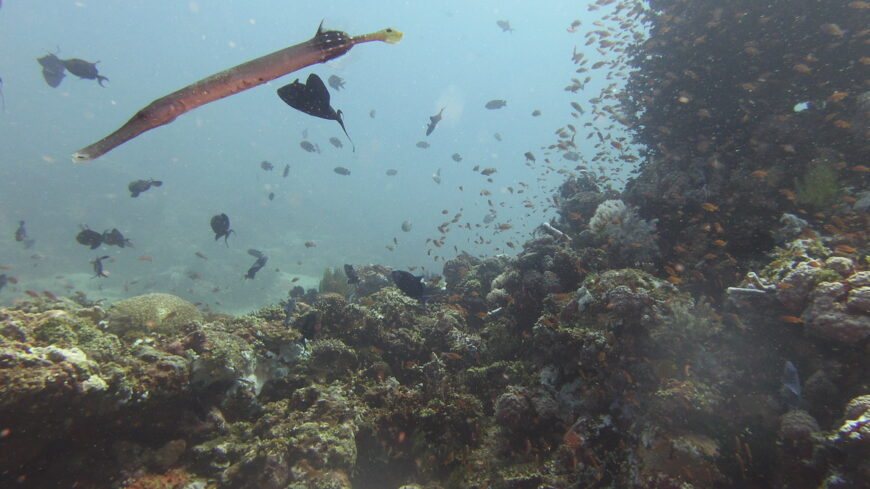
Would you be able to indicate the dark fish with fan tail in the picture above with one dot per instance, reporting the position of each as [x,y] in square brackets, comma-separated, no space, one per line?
[505,25]
[495,104]
[409,284]
[220,224]
[84,69]
[98,267]
[352,277]
[312,97]
[266,166]
[89,237]
[335,82]
[136,187]
[53,71]
[433,121]
[260,263]
[115,238]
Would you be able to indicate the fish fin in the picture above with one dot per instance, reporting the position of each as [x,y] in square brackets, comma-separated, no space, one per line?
[319,29]
[101,79]
[157,183]
[341,123]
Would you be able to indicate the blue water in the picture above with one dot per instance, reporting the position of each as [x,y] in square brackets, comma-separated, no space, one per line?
[453,55]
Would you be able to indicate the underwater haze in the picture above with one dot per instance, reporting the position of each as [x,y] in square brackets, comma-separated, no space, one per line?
[453,55]
[504,245]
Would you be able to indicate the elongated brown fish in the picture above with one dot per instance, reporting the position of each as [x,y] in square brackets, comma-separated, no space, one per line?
[324,46]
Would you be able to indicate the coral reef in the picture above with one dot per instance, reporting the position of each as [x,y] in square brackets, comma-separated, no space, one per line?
[640,340]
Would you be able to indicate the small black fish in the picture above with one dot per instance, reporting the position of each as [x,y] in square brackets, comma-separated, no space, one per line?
[20,233]
[136,187]
[335,142]
[433,121]
[308,146]
[410,285]
[52,69]
[505,25]
[260,263]
[335,82]
[529,156]
[98,267]
[352,277]
[312,97]
[341,170]
[457,157]
[271,196]
[286,170]
[392,172]
[495,104]
[371,114]
[89,237]
[406,226]
[2,97]
[497,136]
[536,113]
[422,144]
[115,238]
[220,224]
[3,280]
[84,69]
[265,165]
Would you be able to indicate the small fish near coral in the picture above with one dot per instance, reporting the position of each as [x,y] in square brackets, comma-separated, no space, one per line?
[352,277]
[410,285]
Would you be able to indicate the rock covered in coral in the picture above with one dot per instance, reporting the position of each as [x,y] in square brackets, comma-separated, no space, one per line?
[151,314]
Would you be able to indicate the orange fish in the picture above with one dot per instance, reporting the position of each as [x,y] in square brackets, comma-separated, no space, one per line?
[720,242]
[710,207]
[791,319]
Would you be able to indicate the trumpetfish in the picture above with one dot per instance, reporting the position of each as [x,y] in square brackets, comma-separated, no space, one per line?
[324,46]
